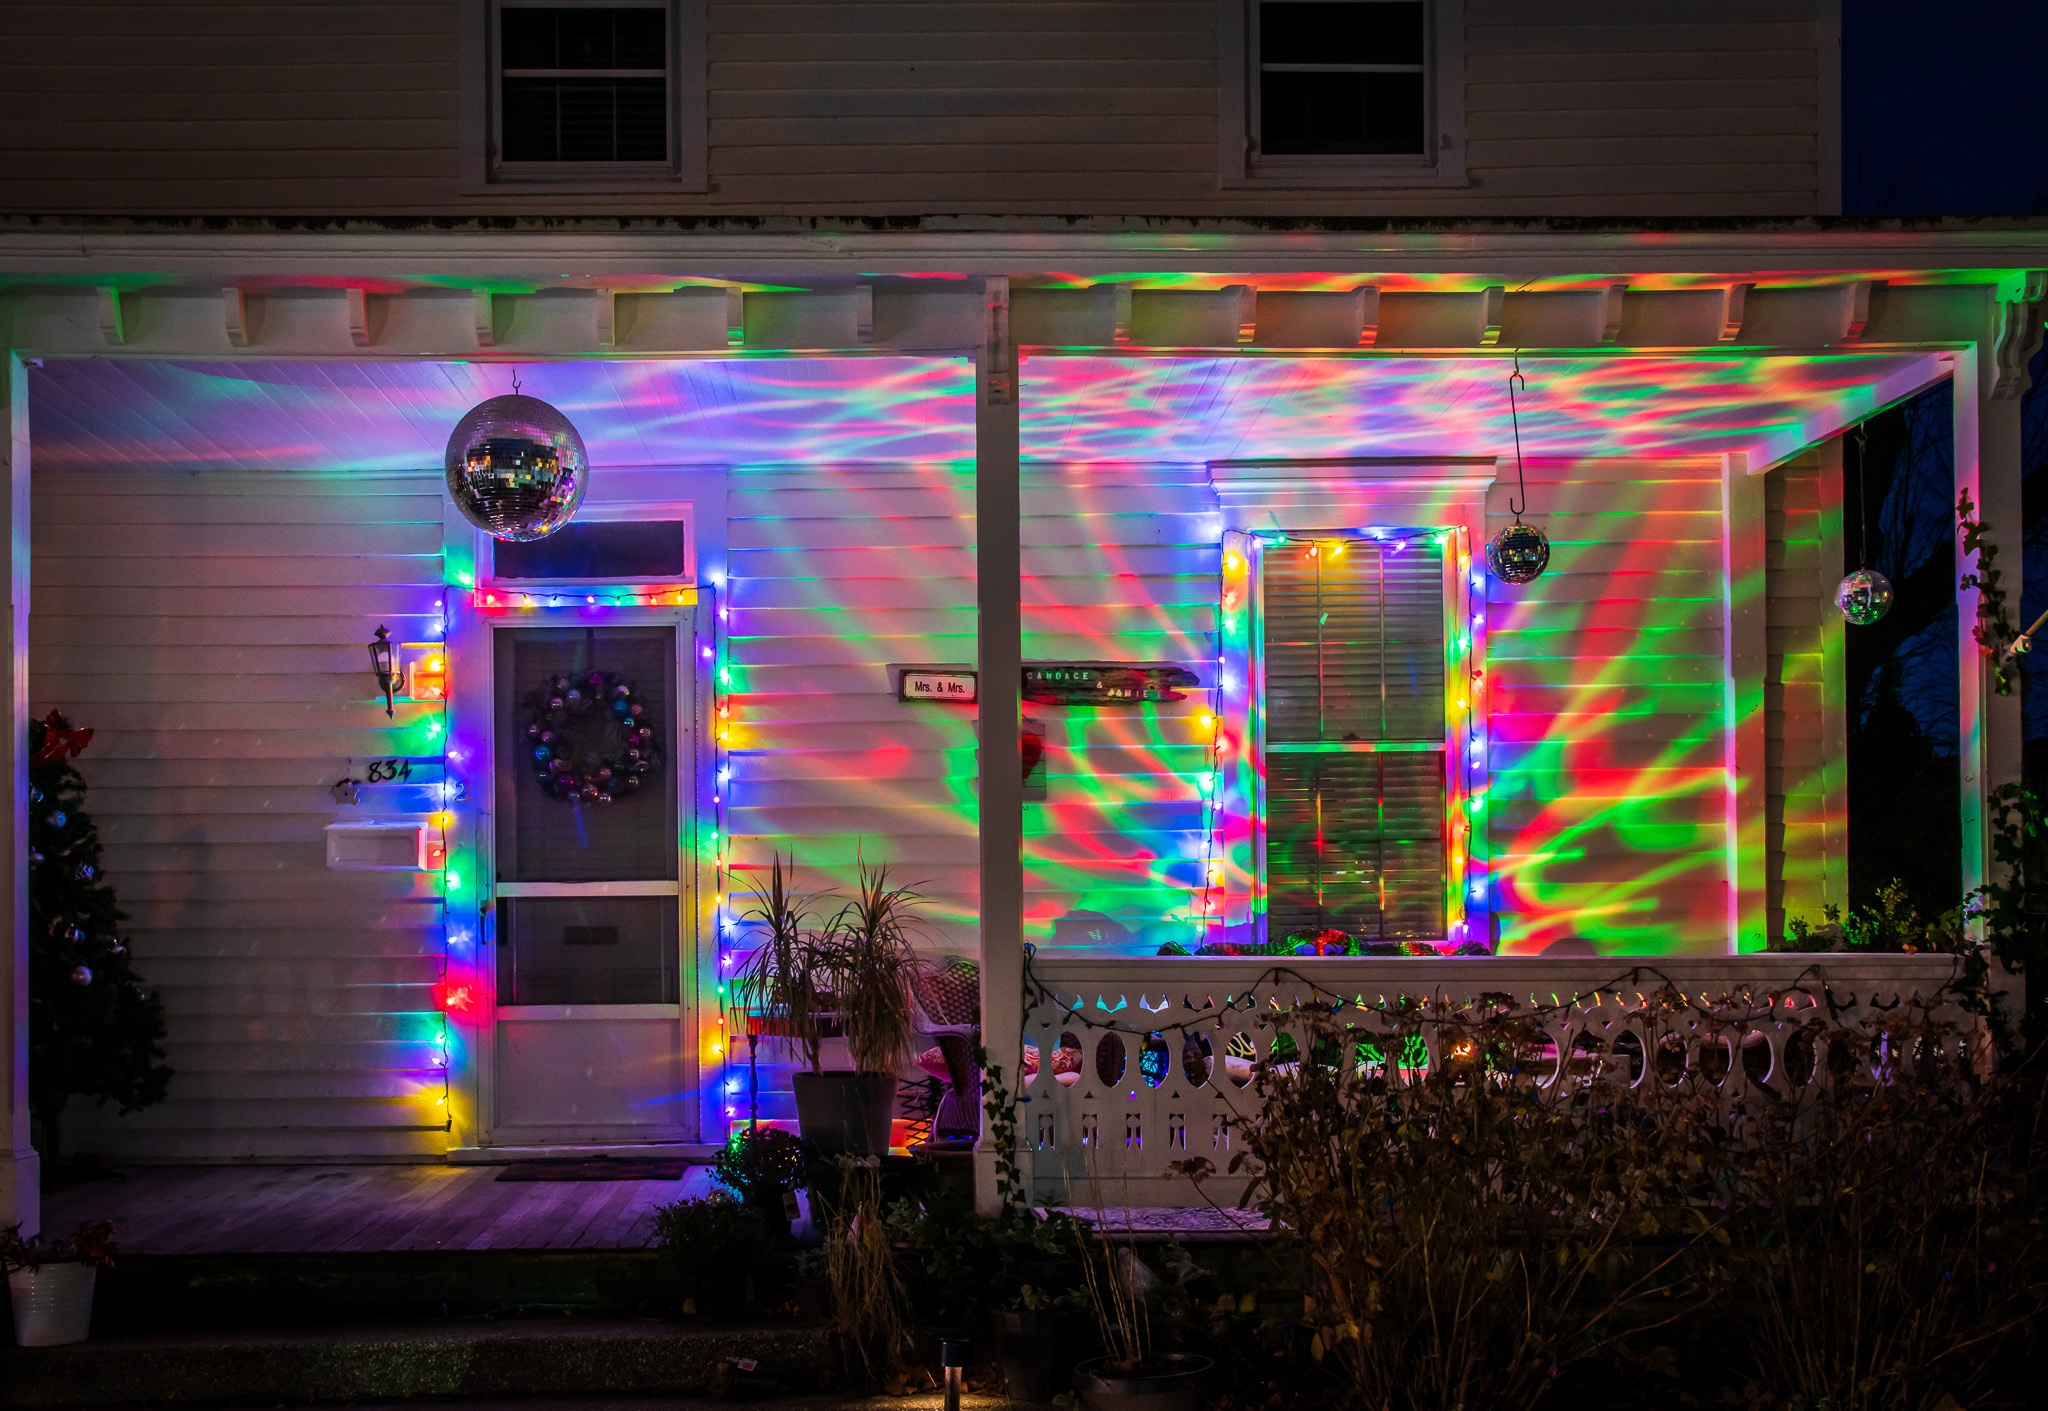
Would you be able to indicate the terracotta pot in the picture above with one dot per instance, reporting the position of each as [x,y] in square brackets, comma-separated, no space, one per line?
[52,1304]
[1174,1385]
[845,1114]
[1038,1350]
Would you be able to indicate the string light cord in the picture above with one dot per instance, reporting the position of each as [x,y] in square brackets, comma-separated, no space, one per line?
[1037,993]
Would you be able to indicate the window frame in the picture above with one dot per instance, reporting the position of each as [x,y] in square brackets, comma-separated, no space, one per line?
[1241,165]
[1445,743]
[1329,498]
[483,172]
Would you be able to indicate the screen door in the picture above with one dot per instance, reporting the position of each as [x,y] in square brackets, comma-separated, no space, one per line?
[589,889]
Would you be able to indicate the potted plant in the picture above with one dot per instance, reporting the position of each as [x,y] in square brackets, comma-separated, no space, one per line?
[1132,1375]
[51,1282]
[869,962]
[764,1167]
[1040,1339]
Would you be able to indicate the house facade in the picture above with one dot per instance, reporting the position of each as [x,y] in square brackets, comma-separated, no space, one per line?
[1051,451]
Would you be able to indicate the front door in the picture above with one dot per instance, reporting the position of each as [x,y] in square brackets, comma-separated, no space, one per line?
[591,896]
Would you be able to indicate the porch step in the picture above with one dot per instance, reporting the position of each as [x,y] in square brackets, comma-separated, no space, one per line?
[551,1357]
[147,1294]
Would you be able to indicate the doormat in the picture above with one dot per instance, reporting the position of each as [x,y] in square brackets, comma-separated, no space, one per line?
[597,1168]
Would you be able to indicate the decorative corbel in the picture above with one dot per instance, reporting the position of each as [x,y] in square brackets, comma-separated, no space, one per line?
[1247,313]
[1610,326]
[997,354]
[863,314]
[235,314]
[111,326]
[358,317]
[486,318]
[1496,299]
[1120,319]
[1855,309]
[735,317]
[1368,297]
[2018,334]
[1734,304]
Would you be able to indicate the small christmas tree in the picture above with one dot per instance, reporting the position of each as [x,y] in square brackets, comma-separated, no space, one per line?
[93,1030]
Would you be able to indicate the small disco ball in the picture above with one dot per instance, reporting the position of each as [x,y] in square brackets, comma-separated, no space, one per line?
[516,468]
[1518,554]
[1864,597]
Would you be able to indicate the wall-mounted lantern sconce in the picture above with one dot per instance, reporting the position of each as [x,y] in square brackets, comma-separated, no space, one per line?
[381,663]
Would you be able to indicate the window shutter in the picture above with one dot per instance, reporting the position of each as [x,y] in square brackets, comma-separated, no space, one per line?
[1354,659]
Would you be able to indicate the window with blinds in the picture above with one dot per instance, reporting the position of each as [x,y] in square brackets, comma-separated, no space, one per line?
[1355,738]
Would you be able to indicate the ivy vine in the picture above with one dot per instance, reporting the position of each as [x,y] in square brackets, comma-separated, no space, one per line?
[1994,629]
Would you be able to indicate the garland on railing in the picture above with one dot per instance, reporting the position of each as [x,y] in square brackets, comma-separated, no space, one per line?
[1995,631]
[1668,995]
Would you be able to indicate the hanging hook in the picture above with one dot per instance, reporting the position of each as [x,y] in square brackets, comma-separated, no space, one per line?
[1514,415]
[515,381]
[1862,497]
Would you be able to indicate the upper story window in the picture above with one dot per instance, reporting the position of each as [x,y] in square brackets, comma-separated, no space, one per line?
[1343,93]
[583,83]
[584,94]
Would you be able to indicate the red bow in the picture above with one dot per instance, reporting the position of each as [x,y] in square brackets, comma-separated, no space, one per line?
[58,738]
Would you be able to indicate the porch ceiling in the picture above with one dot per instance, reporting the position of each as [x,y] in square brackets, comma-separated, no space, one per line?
[382,415]
[1157,408]
[100,413]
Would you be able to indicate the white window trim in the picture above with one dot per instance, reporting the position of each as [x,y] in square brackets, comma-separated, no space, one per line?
[1238,167]
[479,172]
[1340,497]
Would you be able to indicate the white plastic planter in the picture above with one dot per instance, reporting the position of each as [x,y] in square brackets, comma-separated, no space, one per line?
[52,1304]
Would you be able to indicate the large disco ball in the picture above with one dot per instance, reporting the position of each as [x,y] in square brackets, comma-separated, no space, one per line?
[1518,554]
[516,467]
[1864,597]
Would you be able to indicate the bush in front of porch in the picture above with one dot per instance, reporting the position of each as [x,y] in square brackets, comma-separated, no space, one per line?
[1511,1230]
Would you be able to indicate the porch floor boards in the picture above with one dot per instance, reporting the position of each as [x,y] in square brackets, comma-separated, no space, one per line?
[364,1209]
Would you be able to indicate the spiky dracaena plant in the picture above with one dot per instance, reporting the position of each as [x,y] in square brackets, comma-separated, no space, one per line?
[870,961]
[785,980]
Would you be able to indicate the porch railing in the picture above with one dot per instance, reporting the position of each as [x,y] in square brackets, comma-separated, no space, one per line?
[1142,1063]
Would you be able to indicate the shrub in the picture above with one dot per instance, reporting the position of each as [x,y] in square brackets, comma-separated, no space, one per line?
[714,1244]
[1467,1231]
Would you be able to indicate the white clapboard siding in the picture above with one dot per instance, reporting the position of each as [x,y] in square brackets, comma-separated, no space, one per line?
[1605,707]
[837,573]
[1120,564]
[210,628]
[1806,828]
[1083,107]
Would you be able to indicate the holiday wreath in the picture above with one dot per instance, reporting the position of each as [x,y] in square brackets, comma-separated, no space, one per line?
[591,737]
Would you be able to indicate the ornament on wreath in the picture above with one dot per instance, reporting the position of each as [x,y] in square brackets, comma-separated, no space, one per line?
[591,737]
[516,467]
[81,976]
[1520,552]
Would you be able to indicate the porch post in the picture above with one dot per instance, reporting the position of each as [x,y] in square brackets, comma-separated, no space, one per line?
[1990,377]
[20,1185]
[1744,648]
[998,565]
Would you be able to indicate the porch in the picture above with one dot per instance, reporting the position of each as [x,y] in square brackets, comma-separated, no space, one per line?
[1642,782]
